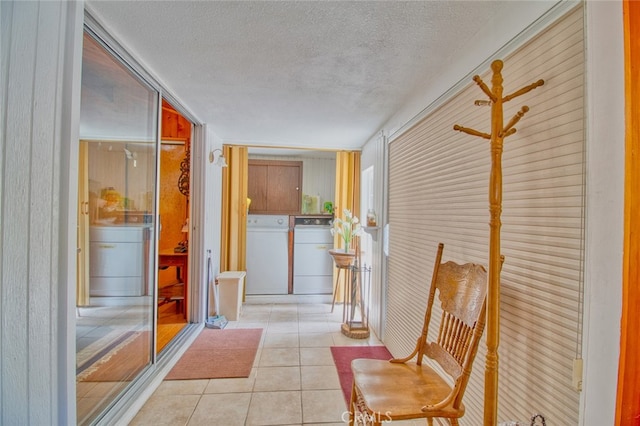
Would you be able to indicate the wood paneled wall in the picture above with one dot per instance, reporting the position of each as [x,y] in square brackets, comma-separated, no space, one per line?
[174,206]
[174,125]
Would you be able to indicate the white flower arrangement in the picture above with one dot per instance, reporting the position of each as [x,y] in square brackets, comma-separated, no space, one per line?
[347,228]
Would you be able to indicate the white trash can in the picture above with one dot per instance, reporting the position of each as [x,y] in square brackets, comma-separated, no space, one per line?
[230,286]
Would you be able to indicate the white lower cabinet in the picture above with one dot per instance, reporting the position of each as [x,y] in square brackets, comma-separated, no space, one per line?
[119,260]
[312,264]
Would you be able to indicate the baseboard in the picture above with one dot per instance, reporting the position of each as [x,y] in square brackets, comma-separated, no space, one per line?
[288,298]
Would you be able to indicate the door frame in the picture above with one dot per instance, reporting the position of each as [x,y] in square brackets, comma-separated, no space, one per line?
[628,394]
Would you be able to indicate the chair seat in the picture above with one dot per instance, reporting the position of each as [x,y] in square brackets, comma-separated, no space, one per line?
[400,391]
[384,391]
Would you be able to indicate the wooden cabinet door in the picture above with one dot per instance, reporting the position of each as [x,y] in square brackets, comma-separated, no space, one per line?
[274,187]
[284,188]
[257,187]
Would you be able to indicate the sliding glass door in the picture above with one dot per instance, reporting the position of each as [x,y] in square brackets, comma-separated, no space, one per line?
[116,292]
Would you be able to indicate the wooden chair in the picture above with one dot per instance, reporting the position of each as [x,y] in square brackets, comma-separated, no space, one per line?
[402,389]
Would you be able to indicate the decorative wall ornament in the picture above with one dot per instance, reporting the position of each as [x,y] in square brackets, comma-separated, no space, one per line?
[183,180]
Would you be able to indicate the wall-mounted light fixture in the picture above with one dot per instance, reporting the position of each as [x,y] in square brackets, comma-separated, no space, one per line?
[130,156]
[221,161]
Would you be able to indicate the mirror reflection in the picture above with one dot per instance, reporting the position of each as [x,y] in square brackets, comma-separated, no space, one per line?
[115,290]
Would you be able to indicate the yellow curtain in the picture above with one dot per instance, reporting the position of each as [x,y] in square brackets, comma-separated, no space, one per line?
[82,272]
[234,209]
[347,196]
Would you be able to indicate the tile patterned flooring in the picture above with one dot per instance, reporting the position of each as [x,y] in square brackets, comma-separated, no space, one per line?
[98,327]
[293,381]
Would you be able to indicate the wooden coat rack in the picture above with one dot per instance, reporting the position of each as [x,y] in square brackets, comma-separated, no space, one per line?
[498,132]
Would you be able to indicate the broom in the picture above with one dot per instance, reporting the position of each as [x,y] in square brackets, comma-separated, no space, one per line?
[215,321]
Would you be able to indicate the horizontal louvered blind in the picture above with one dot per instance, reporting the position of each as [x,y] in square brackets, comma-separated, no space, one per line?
[438,192]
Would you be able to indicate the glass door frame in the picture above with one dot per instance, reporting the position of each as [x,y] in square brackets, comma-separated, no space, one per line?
[124,237]
[160,361]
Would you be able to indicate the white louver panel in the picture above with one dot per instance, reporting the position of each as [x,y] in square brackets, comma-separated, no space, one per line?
[438,192]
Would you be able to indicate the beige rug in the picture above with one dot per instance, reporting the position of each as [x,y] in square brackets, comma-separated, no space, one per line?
[218,354]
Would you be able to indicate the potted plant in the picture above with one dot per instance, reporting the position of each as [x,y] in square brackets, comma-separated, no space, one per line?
[348,228]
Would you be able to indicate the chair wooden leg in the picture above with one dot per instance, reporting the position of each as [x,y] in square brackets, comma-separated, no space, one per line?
[352,405]
[454,422]
[429,421]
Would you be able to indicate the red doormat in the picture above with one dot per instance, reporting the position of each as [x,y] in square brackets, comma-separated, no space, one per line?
[342,357]
[216,354]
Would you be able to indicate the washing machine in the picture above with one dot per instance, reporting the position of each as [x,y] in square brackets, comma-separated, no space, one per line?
[267,254]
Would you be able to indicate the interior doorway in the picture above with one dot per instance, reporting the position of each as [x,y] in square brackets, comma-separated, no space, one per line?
[174,217]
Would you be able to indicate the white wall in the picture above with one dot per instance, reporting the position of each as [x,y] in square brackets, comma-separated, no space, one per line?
[604,215]
[373,156]
[41,58]
[211,209]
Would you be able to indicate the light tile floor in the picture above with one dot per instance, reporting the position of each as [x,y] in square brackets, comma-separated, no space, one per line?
[293,382]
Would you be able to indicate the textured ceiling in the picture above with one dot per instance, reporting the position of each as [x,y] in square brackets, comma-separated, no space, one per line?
[321,74]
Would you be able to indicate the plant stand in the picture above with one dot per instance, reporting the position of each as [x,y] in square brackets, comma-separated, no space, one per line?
[343,261]
[355,308]
[355,302]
